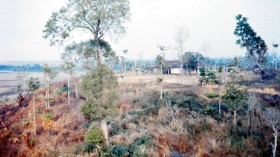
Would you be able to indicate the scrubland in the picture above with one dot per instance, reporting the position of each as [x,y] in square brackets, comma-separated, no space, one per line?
[186,122]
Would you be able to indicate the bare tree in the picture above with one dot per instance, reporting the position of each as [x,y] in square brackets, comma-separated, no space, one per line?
[275,46]
[123,60]
[181,36]
[21,76]
[253,108]
[68,66]
[205,48]
[272,117]
[50,74]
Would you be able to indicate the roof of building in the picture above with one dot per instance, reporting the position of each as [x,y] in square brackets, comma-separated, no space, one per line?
[172,64]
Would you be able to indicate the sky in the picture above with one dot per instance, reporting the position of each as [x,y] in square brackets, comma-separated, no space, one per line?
[152,23]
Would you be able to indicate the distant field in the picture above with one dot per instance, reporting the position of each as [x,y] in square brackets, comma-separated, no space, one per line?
[188,80]
[8,81]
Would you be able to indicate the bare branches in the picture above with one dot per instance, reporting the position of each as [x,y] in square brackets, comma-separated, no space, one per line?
[181,36]
[272,117]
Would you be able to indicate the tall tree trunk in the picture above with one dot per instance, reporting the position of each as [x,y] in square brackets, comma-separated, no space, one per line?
[46,99]
[20,99]
[125,67]
[220,102]
[99,62]
[104,129]
[161,82]
[48,95]
[76,90]
[181,69]
[161,90]
[68,91]
[76,84]
[234,118]
[34,113]
[256,62]
[250,124]
[97,38]
[274,146]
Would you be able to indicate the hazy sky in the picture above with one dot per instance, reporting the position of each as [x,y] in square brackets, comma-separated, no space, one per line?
[153,22]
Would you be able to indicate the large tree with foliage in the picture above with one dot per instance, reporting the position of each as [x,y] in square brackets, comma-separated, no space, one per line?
[254,44]
[190,60]
[83,53]
[98,17]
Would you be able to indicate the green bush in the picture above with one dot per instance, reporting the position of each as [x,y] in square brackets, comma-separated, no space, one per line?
[212,95]
[119,150]
[31,142]
[48,116]
[94,136]
[209,110]
[100,89]
[64,88]
[84,148]
[115,129]
[26,120]
[133,148]
[208,77]
[143,140]
[220,69]
[237,144]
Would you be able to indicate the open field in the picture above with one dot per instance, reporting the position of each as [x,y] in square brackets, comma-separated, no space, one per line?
[8,81]
[151,80]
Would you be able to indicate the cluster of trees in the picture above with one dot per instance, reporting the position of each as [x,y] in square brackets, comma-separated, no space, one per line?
[240,101]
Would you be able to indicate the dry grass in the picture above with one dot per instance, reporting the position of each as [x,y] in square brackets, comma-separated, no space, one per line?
[172,128]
